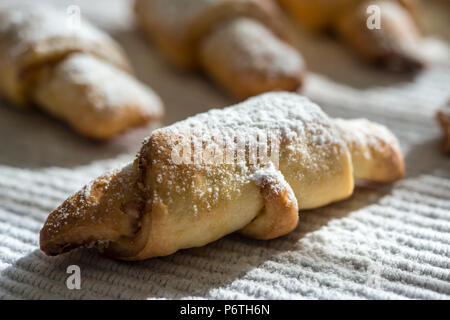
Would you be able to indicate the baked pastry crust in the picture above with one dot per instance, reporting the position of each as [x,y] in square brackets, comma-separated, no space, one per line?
[44,62]
[169,200]
[103,99]
[220,36]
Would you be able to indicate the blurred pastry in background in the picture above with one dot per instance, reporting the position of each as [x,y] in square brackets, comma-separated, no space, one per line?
[395,43]
[443,116]
[77,73]
[242,44]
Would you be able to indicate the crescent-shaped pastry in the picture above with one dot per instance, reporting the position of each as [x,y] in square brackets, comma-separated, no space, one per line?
[248,168]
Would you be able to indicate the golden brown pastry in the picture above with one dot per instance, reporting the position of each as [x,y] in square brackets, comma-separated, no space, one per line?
[443,116]
[396,45]
[242,44]
[78,74]
[248,168]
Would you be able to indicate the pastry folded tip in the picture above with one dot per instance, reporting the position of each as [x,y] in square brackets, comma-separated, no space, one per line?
[375,151]
[104,211]
[393,42]
[99,109]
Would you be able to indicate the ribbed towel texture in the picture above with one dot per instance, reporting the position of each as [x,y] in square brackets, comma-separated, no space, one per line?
[385,242]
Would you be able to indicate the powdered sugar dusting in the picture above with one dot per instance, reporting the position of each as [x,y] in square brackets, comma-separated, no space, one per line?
[306,135]
[75,210]
[288,112]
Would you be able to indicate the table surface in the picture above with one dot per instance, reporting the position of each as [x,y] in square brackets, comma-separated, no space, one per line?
[383,242]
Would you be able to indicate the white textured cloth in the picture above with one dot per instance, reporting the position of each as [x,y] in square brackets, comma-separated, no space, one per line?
[385,242]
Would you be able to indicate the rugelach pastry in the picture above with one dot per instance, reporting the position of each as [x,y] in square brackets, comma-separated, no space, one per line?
[242,44]
[75,72]
[248,168]
[395,45]
[443,116]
